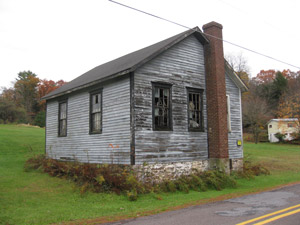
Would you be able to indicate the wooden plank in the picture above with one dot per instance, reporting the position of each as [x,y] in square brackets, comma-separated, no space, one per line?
[182,66]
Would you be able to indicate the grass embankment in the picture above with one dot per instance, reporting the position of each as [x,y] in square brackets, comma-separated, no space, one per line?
[37,198]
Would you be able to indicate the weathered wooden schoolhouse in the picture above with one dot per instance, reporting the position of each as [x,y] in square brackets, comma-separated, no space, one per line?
[176,102]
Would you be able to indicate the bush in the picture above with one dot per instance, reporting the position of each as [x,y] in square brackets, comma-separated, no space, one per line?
[132,195]
[99,178]
[280,137]
[40,119]
[263,136]
[122,179]
[10,113]
[248,137]
[251,170]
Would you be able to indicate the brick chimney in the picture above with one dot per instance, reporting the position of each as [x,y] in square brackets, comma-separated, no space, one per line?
[216,94]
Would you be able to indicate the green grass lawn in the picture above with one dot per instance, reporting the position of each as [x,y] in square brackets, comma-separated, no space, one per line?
[36,198]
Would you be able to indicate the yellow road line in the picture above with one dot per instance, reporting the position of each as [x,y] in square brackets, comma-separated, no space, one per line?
[278,217]
[267,215]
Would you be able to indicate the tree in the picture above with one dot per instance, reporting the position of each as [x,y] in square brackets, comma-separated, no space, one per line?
[45,87]
[278,88]
[289,103]
[255,114]
[40,119]
[264,77]
[240,65]
[8,94]
[10,113]
[270,86]
[26,91]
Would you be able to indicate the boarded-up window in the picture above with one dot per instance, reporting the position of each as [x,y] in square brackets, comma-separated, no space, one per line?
[96,113]
[62,119]
[162,119]
[195,109]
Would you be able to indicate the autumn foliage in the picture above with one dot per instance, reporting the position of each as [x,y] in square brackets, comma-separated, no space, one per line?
[272,94]
[22,102]
[45,87]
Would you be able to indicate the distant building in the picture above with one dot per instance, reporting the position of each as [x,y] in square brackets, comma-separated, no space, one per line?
[283,126]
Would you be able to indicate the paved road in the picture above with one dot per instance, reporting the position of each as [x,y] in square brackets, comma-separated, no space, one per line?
[234,211]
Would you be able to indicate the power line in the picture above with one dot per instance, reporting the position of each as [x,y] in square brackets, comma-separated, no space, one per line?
[181,25]
[243,12]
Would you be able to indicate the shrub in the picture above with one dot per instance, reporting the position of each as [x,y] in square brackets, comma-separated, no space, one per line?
[40,119]
[10,113]
[122,179]
[263,136]
[251,170]
[171,186]
[280,137]
[132,195]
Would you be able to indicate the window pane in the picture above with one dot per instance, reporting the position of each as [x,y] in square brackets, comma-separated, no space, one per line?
[95,113]
[63,127]
[195,110]
[161,107]
[63,110]
[96,103]
[96,122]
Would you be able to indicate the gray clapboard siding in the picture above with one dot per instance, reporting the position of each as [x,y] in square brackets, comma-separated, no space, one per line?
[236,122]
[182,66]
[96,148]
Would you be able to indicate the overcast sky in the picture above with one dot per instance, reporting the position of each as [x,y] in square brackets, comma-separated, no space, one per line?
[62,39]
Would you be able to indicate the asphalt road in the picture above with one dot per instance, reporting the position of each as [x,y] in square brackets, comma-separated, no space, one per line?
[286,200]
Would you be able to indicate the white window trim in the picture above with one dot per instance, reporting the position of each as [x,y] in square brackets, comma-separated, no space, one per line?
[228,113]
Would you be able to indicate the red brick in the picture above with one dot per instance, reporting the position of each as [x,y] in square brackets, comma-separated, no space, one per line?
[216,92]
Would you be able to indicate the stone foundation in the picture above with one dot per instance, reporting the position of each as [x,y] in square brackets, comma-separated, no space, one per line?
[236,164]
[159,172]
[169,171]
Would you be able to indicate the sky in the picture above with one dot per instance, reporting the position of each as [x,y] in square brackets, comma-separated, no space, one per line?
[62,39]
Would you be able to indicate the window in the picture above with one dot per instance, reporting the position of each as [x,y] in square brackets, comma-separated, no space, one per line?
[228,114]
[195,109]
[95,113]
[291,125]
[162,119]
[270,126]
[62,119]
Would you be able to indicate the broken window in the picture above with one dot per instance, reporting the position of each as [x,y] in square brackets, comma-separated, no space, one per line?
[195,110]
[96,113]
[162,107]
[62,118]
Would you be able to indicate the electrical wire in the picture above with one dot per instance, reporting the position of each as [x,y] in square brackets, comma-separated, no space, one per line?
[228,42]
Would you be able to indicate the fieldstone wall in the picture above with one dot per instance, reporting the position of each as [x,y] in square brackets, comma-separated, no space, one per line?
[168,171]
[237,164]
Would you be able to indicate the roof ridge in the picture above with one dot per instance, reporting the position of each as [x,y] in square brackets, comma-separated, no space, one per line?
[124,64]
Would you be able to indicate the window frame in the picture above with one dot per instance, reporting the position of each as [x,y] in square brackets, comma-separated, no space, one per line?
[64,101]
[164,86]
[195,91]
[92,93]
